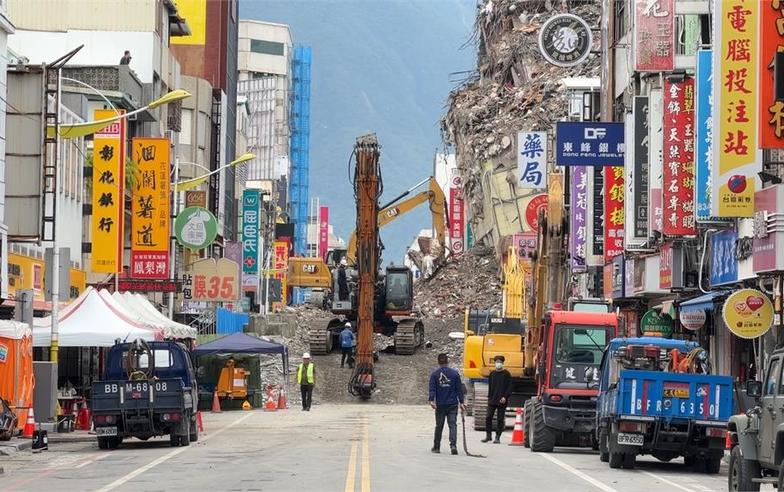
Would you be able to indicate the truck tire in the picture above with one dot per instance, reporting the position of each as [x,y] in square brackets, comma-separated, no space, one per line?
[480,405]
[526,418]
[185,438]
[741,472]
[174,439]
[780,481]
[103,443]
[616,460]
[194,431]
[604,451]
[542,438]
[629,460]
[712,466]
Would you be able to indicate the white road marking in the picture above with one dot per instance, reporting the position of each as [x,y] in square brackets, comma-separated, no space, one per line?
[668,482]
[574,471]
[166,457]
[93,460]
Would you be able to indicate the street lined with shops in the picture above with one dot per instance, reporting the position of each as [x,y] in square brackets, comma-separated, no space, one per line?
[333,447]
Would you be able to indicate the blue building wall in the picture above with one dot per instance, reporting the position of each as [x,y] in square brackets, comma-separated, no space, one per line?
[300,146]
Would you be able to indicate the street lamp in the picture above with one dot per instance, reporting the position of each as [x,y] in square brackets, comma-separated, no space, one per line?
[189,184]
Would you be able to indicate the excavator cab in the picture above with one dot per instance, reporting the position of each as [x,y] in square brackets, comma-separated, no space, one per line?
[398,291]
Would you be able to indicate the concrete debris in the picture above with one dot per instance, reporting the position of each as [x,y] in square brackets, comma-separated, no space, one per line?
[467,280]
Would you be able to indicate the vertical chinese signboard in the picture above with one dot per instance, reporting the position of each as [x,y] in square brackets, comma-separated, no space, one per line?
[456,217]
[613,212]
[108,195]
[150,209]
[579,217]
[678,171]
[640,169]
[281,251]
[323,244]
[655,141]
[703,137]
[250,232]
[532,160]
[771,121]
[665,266]
[654,35]
[735,93]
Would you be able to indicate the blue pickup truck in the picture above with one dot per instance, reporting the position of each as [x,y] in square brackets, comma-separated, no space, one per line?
[149,389]
[648,405]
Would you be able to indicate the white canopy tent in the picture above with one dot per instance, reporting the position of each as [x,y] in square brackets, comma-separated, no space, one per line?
[141,309]
[14,330]
[92,321]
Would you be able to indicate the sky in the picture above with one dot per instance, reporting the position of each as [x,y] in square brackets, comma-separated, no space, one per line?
[383,66]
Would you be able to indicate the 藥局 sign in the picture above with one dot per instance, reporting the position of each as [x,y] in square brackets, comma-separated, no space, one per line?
[591,143]
[532,160]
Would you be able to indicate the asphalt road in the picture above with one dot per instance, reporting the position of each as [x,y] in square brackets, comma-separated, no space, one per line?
[333,448]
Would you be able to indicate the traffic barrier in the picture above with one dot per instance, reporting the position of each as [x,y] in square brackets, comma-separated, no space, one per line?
[29,426]
[518,435]
[199,422]
[270,405]
[282,399]
[216,403]
[83,418]
[246,405]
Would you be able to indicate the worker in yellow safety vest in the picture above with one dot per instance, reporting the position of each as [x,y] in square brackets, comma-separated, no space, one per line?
[305,379]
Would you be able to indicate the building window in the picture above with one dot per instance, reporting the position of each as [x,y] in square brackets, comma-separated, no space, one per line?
[267,47]
[620,19]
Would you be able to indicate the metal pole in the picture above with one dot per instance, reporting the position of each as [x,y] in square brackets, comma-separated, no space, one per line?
[55,336]
[173,260]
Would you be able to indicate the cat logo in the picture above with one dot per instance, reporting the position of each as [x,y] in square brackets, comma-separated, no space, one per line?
[392,212]
[310,269]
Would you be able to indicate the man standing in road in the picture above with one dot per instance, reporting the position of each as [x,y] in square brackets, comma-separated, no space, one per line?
[306,380]
[346,345]
[446,393]
[497,398]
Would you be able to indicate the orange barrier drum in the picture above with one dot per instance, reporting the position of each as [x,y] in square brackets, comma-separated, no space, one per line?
[16,368]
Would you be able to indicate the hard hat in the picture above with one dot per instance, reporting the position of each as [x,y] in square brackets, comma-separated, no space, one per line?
[306,355]
[348,324]
[343,262]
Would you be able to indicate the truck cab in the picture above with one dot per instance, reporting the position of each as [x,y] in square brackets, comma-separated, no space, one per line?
[148,389]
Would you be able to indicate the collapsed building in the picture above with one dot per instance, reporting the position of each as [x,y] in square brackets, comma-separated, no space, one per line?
[513,89]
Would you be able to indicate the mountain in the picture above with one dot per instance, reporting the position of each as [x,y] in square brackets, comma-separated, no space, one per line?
[383,67]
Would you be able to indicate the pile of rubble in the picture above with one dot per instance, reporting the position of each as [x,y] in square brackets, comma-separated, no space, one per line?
[467,280]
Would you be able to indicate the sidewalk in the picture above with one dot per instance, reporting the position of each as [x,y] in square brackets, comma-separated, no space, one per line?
[16,444]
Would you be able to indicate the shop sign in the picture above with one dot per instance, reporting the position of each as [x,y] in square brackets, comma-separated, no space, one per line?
[654,36]
[27,273]
[734,179]
[525,243]
[656,141]
[655,324]
[537,203]
[578,239]
[613,212]
[213,281]
[596,210]
[250,232]
[456,215]
[195,198]
[724,264]
[665,263]
[108,194]
[280,264]
[607,280]
[166,286]
[532,160]
[678,170]
[693,319]
[771,121]
[618,277]
[233,251]
[589,143]
[323,244]
[748,313]
[639,184]
[565,40]
[150,210]
[768,242]
[639,275]
[195,228]
[628,277]
[703,137]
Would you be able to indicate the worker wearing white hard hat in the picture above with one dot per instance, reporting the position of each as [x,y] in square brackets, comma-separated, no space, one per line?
[306,380]
[347,342]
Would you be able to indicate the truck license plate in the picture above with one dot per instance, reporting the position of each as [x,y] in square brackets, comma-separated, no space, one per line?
[106,431]
[630,439]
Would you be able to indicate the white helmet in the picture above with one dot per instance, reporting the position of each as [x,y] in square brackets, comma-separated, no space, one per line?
[348,324]
[306,355]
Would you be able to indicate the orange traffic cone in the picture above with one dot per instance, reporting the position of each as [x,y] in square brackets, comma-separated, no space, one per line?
[199,422]
[216,403]
[517,433]
[29,427]
[282,399]
[270,405]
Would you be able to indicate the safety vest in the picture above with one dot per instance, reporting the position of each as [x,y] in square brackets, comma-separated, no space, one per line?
[310,374]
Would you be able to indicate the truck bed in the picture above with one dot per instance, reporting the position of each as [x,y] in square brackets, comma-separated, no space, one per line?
[669,396]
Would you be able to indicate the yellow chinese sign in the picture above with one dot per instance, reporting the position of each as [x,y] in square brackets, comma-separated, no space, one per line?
[150,209]
[25,272]
[108,194]
[735,119]
[281,251]
[748,313]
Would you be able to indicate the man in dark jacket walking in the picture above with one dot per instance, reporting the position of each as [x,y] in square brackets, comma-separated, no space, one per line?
[446,394]
[497,398]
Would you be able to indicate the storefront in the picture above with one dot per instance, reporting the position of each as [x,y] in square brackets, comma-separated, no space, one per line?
[27,272]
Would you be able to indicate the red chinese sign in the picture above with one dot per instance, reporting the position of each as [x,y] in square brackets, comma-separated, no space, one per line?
[678,171]
[281,265]
[456,219]
[613,212]
[147,286]
[665,266]
[771,121]
[654,35]
[150,209]
[537,203]
[323,244]
[212,281]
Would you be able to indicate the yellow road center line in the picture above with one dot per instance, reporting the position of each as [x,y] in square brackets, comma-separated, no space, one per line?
[365,459]
[351,475]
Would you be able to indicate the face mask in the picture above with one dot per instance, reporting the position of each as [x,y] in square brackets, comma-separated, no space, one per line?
[499,365]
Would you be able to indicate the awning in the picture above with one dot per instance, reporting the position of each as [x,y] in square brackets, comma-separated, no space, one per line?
[703,302]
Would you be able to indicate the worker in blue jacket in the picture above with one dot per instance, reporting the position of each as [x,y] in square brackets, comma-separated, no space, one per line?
[347,345]
[446,395]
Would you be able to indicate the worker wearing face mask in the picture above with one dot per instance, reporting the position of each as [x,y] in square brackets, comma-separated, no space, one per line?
[497,398]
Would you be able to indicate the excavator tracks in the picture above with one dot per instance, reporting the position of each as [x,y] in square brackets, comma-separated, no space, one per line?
[409,334]
[321,334]
[480,405]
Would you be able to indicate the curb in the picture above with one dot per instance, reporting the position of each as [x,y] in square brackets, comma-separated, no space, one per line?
[8,448]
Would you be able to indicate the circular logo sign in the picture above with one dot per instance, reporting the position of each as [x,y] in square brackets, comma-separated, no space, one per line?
[655,324]
[457,246]
[748,313]
[539,202]
[565,40]
[195,228]
[693,320]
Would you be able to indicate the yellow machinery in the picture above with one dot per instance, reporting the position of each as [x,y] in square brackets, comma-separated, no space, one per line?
[233,381]
[309,272]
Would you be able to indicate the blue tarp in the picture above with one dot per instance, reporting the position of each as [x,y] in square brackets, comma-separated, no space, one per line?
[240,343]
[229,321]
[701,303]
